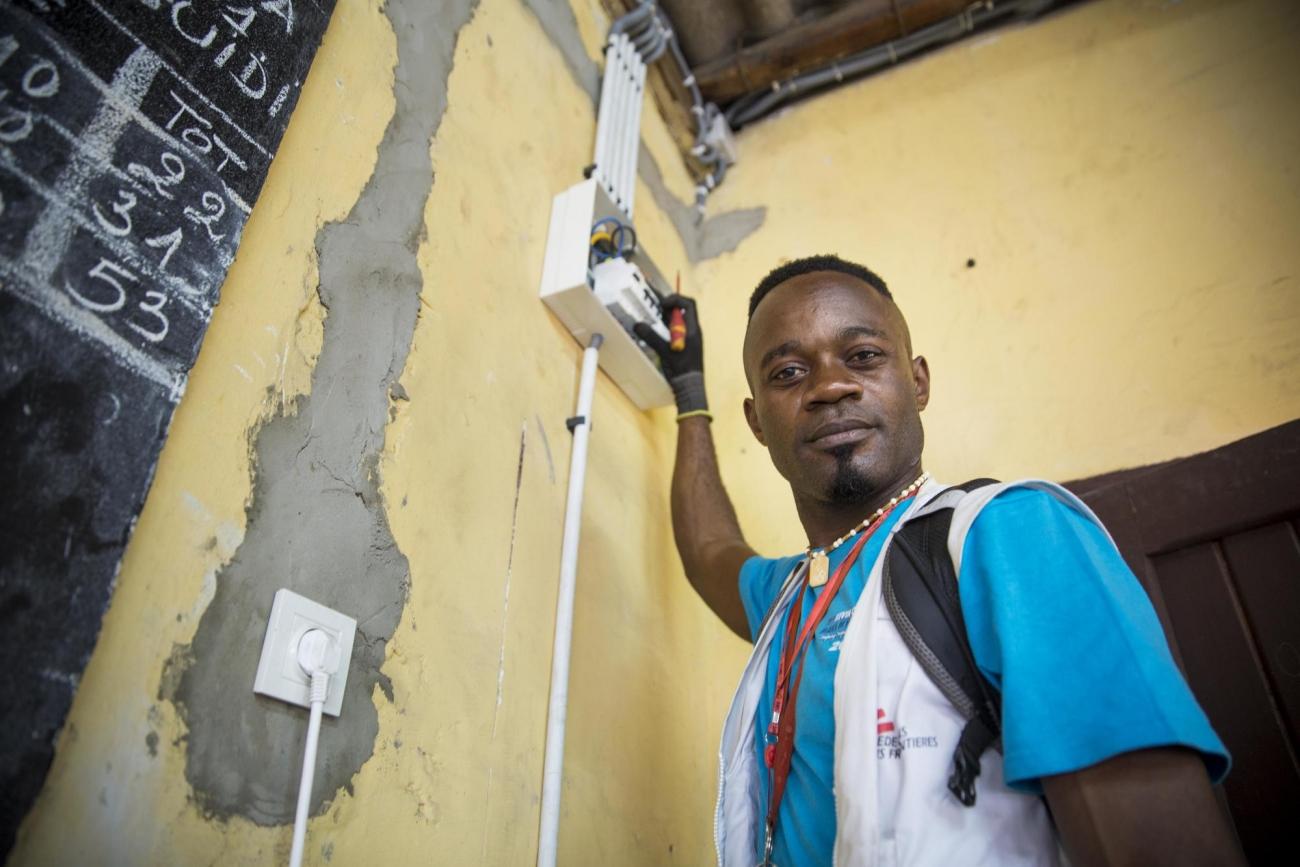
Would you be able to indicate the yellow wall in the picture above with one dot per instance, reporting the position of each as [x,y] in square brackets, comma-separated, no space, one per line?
[1126,177]
[457,766]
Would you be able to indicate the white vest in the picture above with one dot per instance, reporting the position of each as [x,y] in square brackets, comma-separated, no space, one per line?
[894,738]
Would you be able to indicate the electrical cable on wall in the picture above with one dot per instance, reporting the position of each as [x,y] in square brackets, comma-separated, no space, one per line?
[607,243]
[318,655]
[304,662]
[984,13]
[600,282]
[645,31]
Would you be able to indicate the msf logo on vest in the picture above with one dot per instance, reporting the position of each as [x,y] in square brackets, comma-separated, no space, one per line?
[892,741]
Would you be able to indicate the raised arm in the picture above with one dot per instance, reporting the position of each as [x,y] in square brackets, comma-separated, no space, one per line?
[704,522]
[1147,808]
[705,526]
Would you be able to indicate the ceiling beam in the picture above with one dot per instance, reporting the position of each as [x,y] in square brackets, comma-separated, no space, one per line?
[808,46]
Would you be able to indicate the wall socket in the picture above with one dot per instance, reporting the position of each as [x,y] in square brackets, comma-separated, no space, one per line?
[278,673]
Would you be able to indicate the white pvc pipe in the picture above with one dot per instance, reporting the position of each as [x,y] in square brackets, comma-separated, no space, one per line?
[618,110]
[606,120]
[553,770]
[634,133]
[630,123]
[319,689]
[625,122]
[601,158]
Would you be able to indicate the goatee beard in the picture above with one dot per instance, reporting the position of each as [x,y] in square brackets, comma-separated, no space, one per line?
[850,485]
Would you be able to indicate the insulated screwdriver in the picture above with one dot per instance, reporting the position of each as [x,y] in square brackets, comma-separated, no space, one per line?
[677,323]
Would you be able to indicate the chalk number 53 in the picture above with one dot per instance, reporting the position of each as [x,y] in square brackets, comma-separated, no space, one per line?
[106,293]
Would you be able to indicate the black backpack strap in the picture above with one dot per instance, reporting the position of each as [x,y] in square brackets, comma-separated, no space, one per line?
[920,591]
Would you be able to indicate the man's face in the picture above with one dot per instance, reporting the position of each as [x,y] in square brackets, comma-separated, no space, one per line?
[836,395]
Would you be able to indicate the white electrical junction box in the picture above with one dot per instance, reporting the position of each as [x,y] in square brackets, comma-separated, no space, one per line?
[568,288]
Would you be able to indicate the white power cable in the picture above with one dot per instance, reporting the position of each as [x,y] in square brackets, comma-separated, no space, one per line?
[317,654]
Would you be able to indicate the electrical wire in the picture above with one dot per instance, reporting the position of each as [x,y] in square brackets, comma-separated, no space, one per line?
[620,236]
[314,650]
[653,36]
[753,106]
[609,243]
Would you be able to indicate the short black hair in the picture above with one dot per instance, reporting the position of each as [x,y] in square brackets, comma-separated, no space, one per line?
[808,265]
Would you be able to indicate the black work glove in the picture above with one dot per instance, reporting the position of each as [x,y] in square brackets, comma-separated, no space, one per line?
[684,368]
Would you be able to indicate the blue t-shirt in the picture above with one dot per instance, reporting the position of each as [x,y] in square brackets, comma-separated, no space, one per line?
[1058,623]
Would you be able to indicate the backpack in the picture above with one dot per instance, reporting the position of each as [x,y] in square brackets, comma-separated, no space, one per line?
[920,592]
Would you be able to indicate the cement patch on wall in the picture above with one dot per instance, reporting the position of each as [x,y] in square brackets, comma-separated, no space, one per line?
[316,520]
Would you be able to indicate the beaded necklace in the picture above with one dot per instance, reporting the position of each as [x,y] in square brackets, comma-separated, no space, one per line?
[819,558]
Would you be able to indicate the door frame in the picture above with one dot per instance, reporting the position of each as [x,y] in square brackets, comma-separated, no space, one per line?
[1173,505]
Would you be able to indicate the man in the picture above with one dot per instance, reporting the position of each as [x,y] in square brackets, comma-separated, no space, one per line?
[838,747]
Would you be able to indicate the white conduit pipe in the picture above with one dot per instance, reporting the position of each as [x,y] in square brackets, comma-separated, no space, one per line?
[553,770]
[603,124]
[634,133]
[618,125]
[614,66]
[628,122]
[634,136]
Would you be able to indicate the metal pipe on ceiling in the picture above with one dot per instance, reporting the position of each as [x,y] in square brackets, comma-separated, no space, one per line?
[705,30]
[852,27]
[758,103]
[766,17]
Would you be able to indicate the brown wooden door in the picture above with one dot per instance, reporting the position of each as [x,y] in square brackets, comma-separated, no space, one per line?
[1215,539]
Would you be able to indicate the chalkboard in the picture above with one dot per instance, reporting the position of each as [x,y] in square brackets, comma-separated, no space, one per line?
[135,136]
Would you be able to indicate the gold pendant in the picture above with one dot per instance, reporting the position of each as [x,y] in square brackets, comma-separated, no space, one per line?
[818,569]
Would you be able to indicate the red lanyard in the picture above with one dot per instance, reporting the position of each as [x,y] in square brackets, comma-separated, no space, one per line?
[777,755]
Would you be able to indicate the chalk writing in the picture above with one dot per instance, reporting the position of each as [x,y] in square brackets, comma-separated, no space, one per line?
[135,136]
[137,178]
